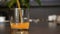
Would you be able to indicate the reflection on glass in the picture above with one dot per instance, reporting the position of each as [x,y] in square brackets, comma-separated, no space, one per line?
[20,32]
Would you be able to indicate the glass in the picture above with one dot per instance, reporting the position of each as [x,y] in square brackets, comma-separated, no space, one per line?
[15,21]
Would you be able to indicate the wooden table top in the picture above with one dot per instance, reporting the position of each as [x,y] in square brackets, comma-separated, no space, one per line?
[40,28]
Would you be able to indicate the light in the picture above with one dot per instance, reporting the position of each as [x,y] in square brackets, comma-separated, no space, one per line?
[52,17]
[2,19]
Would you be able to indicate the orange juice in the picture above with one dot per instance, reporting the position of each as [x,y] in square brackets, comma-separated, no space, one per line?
[20,25]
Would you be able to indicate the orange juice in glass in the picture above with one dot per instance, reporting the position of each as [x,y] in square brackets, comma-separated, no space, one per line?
[16,23]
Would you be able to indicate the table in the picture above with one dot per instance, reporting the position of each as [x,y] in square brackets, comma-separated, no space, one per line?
[40,28]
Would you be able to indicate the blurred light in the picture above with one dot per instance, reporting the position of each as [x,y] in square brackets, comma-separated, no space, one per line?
[2,19]
[52,17]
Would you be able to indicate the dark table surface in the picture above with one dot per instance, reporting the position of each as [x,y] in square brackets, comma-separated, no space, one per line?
[35,28]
